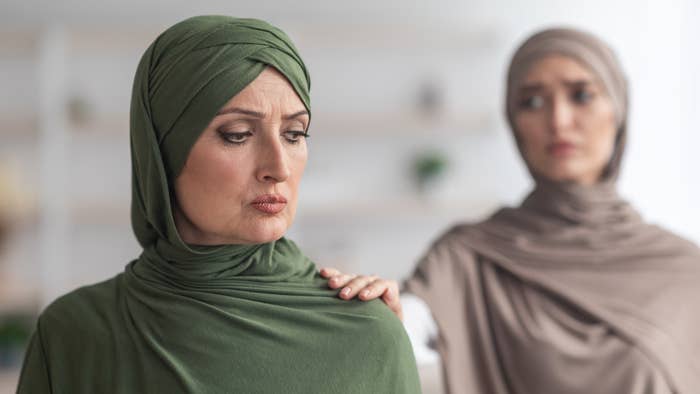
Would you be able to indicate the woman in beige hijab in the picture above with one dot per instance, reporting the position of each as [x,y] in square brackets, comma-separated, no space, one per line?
[571,292]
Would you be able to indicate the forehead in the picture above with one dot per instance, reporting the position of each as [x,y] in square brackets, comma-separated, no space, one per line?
[553,69]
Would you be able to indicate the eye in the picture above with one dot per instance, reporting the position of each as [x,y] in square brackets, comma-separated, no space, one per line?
[235,137]
[294,136]
[582,96]
[532,102]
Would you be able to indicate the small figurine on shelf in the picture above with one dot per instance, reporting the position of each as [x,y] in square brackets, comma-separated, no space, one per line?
[79,110]
[430,98]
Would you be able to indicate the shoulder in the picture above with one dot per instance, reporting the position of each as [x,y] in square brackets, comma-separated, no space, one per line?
[90,306]
[445,264]
[372,332]
[382,326]
[676,241]
[451,246]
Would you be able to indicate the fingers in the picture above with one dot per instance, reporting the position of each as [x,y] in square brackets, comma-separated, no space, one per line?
[392,300]
[341,280]
[374,289]
[365,287]
[335,278]
[328,272]
[354,286]
[388,290]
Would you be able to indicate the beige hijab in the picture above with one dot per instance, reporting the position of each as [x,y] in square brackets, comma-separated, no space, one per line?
[572,292]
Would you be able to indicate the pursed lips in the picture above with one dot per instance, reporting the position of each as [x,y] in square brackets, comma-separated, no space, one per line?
[269,203]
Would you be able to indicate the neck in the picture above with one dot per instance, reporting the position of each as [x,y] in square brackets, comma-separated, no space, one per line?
[577,203]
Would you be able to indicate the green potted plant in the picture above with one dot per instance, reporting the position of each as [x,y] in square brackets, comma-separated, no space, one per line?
[428,168]
[15,331]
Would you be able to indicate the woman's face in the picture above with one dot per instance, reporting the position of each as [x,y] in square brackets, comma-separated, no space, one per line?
[239,183]
[565,121]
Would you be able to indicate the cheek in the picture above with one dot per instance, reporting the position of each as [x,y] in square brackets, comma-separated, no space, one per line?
[297,165]
[602,131]
[222,172]
[531,133]
[213,177]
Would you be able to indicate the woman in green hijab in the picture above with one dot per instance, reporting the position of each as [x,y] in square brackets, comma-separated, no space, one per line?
[219,301]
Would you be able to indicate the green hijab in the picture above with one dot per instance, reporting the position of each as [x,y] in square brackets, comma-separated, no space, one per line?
[221,319]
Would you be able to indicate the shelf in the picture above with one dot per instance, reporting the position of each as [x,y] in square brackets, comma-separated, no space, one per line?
[17,297]
[105,213]
[324,124]
[18,126]
[18,42]
[341,36]
[117,213]
[101,213]
[93,40]
[405,208]
[23,126]
[394,37]
[400,123]
[103,124]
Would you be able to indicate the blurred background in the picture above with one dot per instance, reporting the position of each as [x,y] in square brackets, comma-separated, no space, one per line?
[408,135]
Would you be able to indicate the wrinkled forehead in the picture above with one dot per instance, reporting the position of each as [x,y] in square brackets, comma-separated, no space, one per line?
[271,89]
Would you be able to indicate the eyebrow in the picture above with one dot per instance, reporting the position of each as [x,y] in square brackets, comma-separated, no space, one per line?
[570,83]
[256,114]
[578,82]
[531,87]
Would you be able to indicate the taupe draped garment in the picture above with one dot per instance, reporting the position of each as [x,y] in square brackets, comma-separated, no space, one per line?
[571,292]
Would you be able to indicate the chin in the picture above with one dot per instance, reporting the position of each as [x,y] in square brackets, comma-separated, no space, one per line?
[265,239]
[564,176]
[266,232]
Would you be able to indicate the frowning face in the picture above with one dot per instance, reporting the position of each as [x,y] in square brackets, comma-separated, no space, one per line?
[565,121]
[240,181]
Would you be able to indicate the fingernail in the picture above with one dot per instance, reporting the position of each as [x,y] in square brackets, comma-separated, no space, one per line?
[345,291]
[365,293]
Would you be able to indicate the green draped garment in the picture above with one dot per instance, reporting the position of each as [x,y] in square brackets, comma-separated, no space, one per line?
[215,319]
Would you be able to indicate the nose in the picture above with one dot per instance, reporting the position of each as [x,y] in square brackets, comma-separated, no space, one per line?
[273,165]
[561,116]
